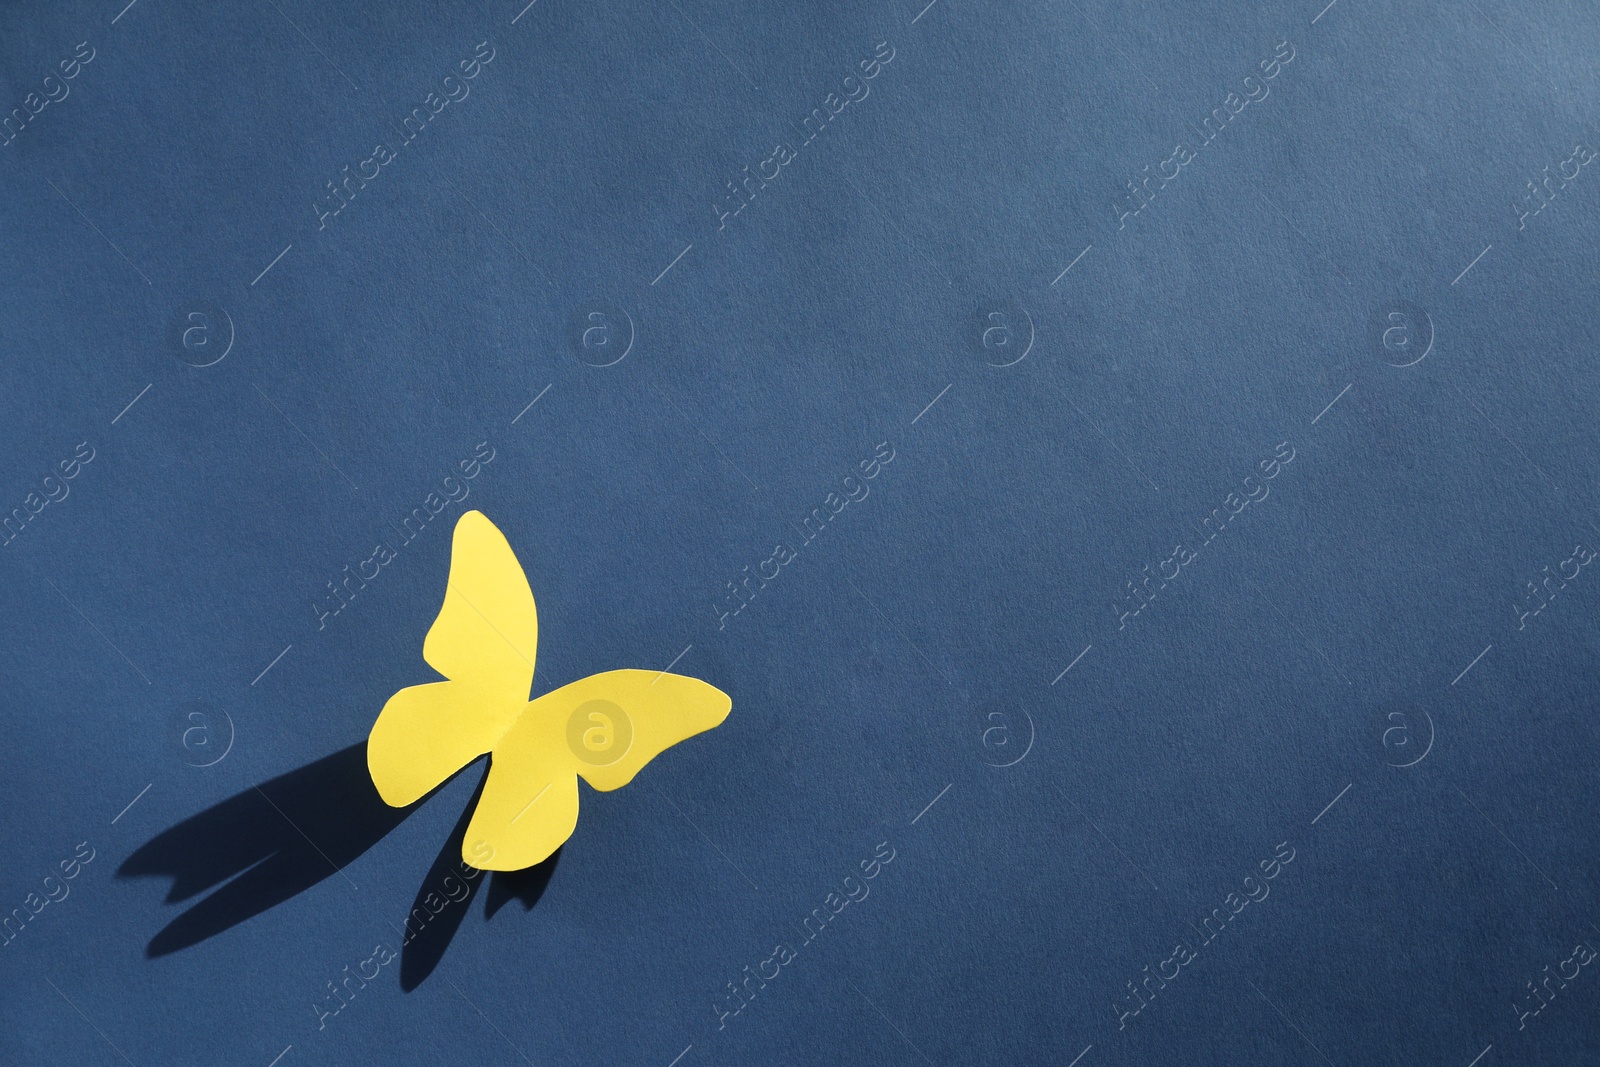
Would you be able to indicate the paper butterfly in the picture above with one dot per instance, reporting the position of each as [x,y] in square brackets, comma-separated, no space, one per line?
[605,727]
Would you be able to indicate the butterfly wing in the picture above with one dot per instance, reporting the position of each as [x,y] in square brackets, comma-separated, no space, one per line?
[488,629]
[614,723]
[605,728]
[426,733]
[484,641]
[529,804]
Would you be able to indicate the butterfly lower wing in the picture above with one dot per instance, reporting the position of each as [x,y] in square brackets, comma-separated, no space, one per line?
[529,805]
[487,631]
[612,724]
[426,733]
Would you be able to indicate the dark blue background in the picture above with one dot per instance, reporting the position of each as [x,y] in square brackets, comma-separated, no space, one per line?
[769,360]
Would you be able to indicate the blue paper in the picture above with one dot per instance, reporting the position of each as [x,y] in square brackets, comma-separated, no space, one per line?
[1126,463]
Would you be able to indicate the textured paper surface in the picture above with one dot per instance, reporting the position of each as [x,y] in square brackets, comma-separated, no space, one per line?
[1128,463]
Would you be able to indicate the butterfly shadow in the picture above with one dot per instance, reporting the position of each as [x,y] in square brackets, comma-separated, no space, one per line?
[273,841]
[446,895]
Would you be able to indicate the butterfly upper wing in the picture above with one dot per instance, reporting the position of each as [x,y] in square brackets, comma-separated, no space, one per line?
[488,629]
[484,641]
[614,723]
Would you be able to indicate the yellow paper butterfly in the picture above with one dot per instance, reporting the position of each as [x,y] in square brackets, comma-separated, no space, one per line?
[605,727]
